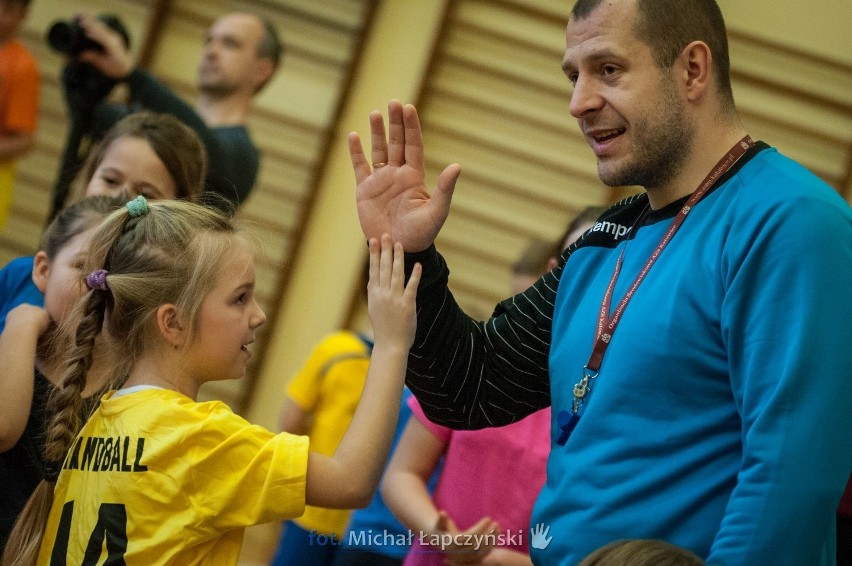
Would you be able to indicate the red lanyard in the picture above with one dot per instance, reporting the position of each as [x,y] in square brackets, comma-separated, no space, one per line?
[608,324]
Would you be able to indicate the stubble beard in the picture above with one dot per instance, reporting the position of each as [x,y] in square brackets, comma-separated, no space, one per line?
[662,141]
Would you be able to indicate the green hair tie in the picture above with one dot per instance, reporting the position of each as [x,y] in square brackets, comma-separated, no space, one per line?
[137,207]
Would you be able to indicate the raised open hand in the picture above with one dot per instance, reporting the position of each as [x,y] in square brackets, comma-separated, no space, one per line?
[391,194]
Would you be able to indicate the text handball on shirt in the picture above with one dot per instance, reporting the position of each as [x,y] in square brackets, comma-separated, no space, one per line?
[69,38]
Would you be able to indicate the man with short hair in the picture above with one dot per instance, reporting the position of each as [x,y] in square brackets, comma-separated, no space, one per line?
[19,98]
[241,53]
[697,358]
[240,56]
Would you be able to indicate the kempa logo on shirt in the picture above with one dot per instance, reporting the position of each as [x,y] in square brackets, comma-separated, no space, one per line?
[617,231]
[106,455]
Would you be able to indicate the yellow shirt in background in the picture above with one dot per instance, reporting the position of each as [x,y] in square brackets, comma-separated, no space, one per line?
[329,387]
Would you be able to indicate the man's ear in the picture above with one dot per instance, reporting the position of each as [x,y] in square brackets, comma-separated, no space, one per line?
[169,324]
[263,72]
[697,61]
[41,269]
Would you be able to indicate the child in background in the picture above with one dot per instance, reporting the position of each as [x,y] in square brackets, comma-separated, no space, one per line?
[20,84]
[321,400]
[156,477]
[28,336]
[641,552]
[490,477]
[374,537]
[147,154]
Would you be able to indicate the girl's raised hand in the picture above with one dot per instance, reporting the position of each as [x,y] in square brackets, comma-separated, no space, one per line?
[391,302]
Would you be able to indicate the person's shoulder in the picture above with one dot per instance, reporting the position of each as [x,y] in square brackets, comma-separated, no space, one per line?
[774,193]
[236,137]
[345,340]
[17,272]
[18,263]
[771,176]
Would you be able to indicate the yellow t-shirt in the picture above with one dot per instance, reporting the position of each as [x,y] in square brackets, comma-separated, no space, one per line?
[157,478]
[329,386]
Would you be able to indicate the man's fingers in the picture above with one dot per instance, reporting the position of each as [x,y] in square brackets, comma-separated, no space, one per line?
[447,180]
[359,161]
[397,134]
[378,140]
[442,197]
[413,137]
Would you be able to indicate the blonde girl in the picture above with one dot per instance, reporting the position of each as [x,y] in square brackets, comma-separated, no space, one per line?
[155,477]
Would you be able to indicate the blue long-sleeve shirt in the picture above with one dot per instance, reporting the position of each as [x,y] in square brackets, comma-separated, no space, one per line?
[721,420]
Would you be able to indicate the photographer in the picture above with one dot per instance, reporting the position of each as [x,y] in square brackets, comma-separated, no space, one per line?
[240,56]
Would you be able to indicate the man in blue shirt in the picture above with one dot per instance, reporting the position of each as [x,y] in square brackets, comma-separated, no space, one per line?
[693,345]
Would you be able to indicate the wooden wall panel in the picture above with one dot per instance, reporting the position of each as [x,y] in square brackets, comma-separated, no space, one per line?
[496,102]
[798,102]
[291,121]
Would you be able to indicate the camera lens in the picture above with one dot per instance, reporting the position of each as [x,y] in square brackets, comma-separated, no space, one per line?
[63,36]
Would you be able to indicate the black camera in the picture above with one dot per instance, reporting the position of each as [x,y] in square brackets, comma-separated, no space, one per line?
[70,39]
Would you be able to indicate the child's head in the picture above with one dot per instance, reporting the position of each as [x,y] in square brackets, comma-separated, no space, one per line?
[532,264]
[56,267]
[12,15]
[641,552]
[161,266]
[579,225]
[148,154]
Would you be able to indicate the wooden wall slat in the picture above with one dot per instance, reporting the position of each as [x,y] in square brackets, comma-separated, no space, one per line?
[290,121]
[497,103]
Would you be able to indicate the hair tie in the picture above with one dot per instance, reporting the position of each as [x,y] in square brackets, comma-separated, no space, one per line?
[97,280]
[137,207]
[51,471]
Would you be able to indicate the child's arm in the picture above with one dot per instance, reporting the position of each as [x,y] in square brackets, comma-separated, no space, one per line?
[294,419]
[405,493]
[24,325]
[349,478]
[404,486]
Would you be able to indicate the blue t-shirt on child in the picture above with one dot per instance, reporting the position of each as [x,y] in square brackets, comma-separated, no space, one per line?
[17,287]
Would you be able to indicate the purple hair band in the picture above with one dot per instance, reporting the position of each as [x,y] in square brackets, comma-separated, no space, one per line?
[97,279]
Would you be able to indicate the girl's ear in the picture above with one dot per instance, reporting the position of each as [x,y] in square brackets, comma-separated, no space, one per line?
[169,324]
[41,269]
